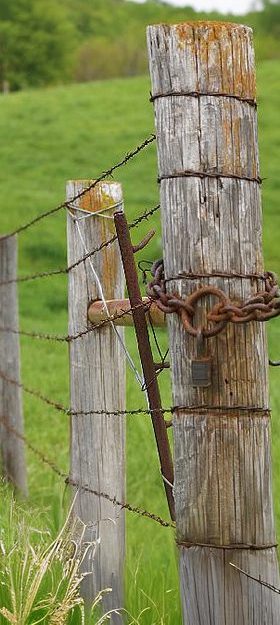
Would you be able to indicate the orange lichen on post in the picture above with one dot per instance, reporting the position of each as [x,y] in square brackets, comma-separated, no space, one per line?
[226,44]
[102,198]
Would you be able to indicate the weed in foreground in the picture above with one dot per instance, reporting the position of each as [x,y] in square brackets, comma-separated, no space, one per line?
[40,577]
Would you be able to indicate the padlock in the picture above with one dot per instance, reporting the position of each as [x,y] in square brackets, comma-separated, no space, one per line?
[201,367]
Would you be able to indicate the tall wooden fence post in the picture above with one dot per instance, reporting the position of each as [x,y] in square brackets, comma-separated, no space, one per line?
[211,218]
[12,448]
[97,378]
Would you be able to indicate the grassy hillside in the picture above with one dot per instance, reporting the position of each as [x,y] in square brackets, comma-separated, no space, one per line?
[48,137]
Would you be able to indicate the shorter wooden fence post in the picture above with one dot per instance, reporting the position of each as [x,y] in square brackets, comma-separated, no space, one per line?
[11,413]
[97,378]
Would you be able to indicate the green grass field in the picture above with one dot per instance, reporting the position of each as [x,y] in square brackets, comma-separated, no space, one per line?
[78,131]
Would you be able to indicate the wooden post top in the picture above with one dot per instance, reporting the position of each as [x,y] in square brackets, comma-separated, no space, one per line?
[102,196]
[205,56]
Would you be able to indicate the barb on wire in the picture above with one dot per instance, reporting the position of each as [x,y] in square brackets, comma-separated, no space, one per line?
[68,338]
[256,579]
[84,487]
[121,504]
[34,393]
[65,270]
[138,411]
[130,155]
[75,413]
[32,447]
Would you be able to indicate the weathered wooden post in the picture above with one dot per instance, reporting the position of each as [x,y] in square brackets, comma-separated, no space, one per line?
[12,448]
[97,378]
[203,88]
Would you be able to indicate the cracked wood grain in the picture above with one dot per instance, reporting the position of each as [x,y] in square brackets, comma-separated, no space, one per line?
[97,380]
[12,448]
[222,463]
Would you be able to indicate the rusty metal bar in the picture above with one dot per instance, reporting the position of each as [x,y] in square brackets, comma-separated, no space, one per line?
[148,366]
[97,312]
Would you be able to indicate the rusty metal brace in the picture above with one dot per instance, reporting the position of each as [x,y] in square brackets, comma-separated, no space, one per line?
[148,366]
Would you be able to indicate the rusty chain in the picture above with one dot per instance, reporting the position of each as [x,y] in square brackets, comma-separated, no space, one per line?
[262,306]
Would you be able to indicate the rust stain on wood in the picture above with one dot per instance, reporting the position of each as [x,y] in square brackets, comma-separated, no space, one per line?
[97,199]
[211,39]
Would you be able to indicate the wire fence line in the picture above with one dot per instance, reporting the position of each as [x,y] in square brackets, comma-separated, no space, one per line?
[235,409]
[65,270]
[77,413]
[68,338]
[67,204]
[82,487]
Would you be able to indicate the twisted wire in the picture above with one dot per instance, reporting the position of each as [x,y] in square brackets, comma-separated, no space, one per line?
[196,409]
[65,270]
[68,338]
[67,204]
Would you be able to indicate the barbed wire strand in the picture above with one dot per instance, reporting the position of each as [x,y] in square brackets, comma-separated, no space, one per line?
[130,155]
[75,413]
[256,579]
[65,270]
[144,411]
[10,428]
[68,338]
[83,487]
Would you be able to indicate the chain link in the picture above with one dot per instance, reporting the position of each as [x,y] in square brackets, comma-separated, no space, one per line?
[262,306]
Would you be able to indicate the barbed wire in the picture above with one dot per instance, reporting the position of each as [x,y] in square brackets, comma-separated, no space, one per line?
[68,338]
[137,411]
[67,204]
[84,487]
[256,579]
[75,413]
[10,428]
[65,270]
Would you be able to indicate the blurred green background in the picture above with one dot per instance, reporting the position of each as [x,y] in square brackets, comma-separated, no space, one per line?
[43,42]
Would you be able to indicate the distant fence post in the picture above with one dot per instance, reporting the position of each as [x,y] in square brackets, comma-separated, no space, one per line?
[97,377]
[203,87]
[12,448]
